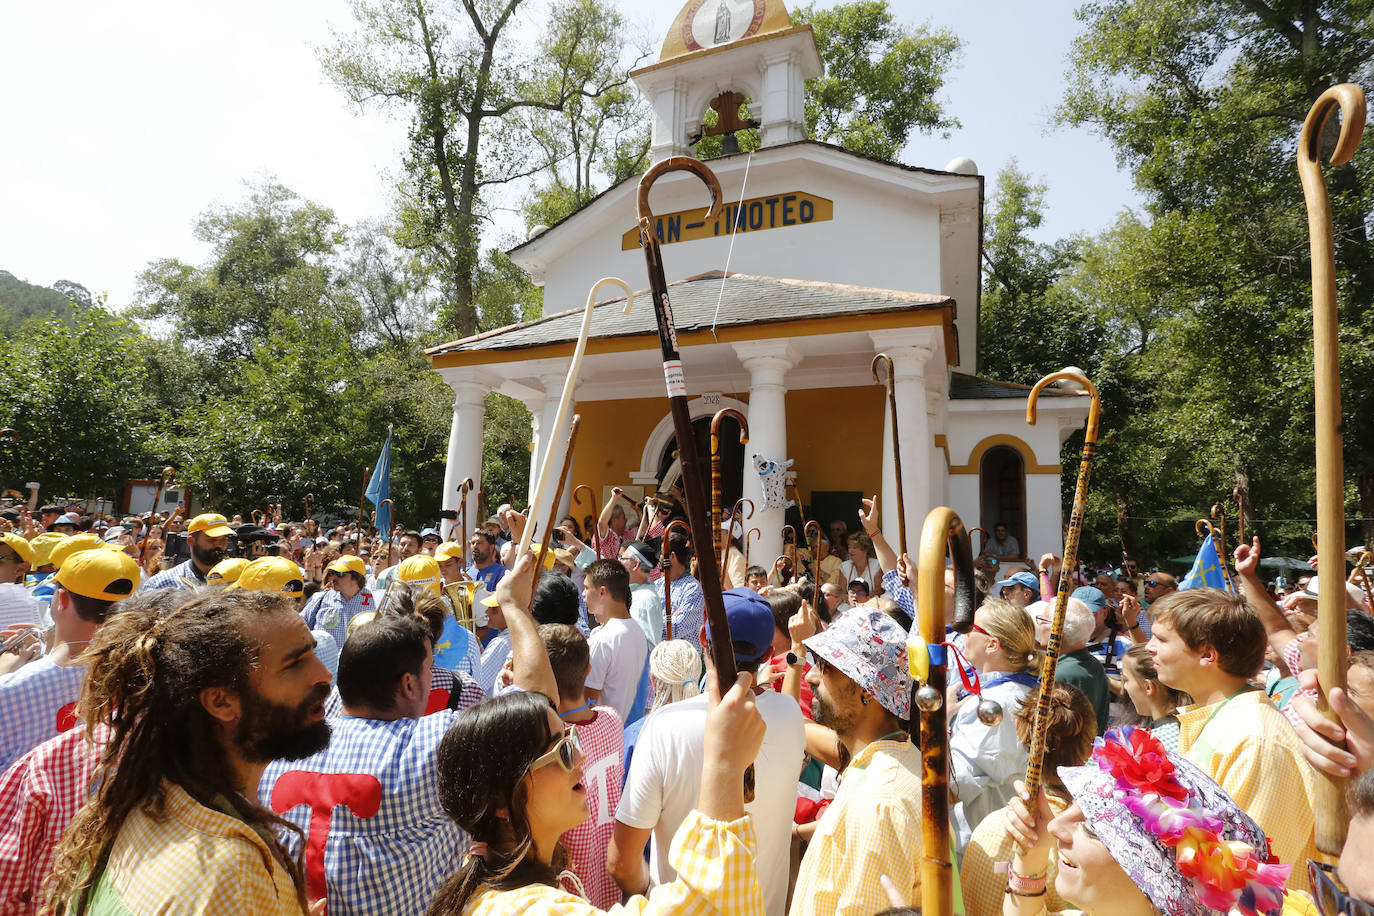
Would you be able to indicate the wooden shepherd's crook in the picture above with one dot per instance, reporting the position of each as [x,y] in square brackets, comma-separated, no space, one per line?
[596,514]
[1061,600]
[896,447]
[1330,810]
[942,532]
[554,500]
[737,517]
[815,544]
[565,402]
[716,497]
[464,489]
[749,537]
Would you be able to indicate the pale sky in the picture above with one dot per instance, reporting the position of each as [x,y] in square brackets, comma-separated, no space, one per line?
[124,122]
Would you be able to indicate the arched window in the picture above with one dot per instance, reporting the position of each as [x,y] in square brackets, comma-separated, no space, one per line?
[1002,487]
[731,460]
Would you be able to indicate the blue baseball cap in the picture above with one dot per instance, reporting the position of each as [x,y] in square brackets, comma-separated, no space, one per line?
[1021,578]
[751,623]
[428,532]
[1091,596]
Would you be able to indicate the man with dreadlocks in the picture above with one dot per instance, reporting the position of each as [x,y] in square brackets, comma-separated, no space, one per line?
[196,705]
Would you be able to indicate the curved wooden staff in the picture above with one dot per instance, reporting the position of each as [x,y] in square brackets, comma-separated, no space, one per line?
[464,489]
[1061,599]
[942,534]
[1239,495]
[565,402]
[1331,817]
[666,565]
[726,532]
[718,628]
[1360,575]
[749,539]
[715,469]
[169,474]
[308,497]
[256,516]
[786,530]
[884,359]
[596,514]
[553,506]
[815,560]
[791,565]
[1206,529]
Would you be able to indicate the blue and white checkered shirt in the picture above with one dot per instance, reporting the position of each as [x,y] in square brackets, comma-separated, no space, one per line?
[328,610]
[689,608]
[894,589]
[36,702]
[377,838]
[183,575]
[493,660]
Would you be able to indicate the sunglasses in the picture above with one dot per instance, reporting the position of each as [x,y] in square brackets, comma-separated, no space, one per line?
[10,558]
[1331,895]
[564,752]
[978,629]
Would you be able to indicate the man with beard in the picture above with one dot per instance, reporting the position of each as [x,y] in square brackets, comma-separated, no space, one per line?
[196,705]
[486,561]
[862,690]
[374,834]
[208,539]
[36,701]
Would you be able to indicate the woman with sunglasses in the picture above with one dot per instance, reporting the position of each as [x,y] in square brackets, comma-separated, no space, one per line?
[510,774]
[984,758]
[1148,833]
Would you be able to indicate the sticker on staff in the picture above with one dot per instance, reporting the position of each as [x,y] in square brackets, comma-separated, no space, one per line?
[672,374]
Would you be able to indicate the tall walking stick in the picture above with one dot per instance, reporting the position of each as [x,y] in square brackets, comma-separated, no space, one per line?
[557,496]
[815,544]
[942,533]
[362,501]
[596,514]
[464,489]
[749,539]
[1061,599]
[896,448]
[736,518]
[169,474]
[1330,810]
[564,403]
[715,469]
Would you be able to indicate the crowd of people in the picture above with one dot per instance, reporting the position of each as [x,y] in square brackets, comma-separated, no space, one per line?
[207,715]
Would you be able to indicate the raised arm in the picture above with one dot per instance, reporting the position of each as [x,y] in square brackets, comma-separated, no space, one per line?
[1276,626]
[528,656]
[886,556]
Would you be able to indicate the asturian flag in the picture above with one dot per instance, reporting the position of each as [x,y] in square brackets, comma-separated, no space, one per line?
[1206,571]
[379,488]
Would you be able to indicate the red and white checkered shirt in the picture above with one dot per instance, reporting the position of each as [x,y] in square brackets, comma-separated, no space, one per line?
[610,545]
[39,796]
[603,770]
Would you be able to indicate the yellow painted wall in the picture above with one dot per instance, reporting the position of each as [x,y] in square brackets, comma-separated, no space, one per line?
[835,438]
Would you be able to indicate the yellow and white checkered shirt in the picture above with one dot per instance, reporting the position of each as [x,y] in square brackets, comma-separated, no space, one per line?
[191,859]
[716,864]
[1257,758]
[984,887]
[871,829]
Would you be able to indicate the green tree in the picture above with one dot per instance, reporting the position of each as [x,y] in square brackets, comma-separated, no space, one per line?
[881,78]
[1204,104]
[458,72]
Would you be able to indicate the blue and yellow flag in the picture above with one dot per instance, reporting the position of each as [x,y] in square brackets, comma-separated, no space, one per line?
[1207,571]
[379,487]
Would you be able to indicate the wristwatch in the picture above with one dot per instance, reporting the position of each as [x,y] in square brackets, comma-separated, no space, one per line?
[794,660]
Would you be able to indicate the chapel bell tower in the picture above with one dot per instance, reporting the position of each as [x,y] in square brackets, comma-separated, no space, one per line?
[719,54]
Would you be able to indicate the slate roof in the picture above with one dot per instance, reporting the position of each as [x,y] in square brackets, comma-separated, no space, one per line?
[964,387]
[747,300]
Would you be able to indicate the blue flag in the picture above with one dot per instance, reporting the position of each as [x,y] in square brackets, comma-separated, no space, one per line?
[1206,571]
[379,487]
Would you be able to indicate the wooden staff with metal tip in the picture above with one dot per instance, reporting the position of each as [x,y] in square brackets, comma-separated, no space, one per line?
[715,469]
[596,514]
[736,517]
[1332,818]
[749,538]
[942,534]
[464,489]
[1239,496]
[884,359]
[1061,599]
[815,544]
[554,499]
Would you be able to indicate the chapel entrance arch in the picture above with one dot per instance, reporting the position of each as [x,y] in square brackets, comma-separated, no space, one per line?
[1002,491]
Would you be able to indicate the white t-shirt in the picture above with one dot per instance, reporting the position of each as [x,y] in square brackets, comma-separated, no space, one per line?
[618,649]
[665,778]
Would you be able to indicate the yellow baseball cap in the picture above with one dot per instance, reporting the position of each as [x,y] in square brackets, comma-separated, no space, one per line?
[226,571]
[276,575]
[43,546]
[106,575]
[420,570]
[449,550]
[71,545]
[211,525]
[19,545]
[348,563]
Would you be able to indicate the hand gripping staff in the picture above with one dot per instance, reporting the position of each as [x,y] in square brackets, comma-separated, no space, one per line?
[1330,809]
[1061,600]
[928,658]
[546,467]
[717,627]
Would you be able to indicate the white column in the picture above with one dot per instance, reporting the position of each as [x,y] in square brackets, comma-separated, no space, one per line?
[536,408]
[464,448]
[767,362]
[939,495]
[914,441]
[557,439]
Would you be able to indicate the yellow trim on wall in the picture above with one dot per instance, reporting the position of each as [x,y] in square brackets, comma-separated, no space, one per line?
[975,458]
[804,327]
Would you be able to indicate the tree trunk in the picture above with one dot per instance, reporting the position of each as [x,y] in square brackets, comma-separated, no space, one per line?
[1123,527]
